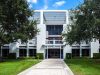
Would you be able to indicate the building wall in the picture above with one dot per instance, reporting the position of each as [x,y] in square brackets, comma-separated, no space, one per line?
[94,47]
[41,39]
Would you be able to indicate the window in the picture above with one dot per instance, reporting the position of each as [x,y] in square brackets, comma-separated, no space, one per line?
[54,29]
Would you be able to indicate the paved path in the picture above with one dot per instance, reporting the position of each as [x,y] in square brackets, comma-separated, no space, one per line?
[49,67]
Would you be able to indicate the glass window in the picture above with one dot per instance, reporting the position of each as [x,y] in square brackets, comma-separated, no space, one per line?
[54,29]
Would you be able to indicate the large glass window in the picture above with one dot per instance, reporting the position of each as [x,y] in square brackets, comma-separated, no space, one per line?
[54,29]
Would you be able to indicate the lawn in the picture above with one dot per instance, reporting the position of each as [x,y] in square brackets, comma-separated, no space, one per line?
[13,67]
[84,66]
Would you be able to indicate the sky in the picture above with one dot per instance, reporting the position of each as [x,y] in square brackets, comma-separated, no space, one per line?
[53,4]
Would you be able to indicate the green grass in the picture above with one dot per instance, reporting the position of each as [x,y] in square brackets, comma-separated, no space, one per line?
[84,66]
[13,67]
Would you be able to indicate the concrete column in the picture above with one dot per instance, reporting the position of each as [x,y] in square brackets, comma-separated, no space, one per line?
[94,45]
[27,50]
[1,52]
[80,51]
[17,54]
[44,53]
[54,42]
[41,17]
[67,16]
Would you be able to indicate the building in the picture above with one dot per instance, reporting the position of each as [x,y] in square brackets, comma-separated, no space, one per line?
[49,40]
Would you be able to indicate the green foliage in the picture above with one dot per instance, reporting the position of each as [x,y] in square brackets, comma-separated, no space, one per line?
[39,56]
[96,55]
[12,56]
[14,21]
[68,55]
[85,23]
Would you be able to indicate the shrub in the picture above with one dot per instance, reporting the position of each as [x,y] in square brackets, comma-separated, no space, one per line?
[12,56]
[96,55]
[68,55]
[39,56]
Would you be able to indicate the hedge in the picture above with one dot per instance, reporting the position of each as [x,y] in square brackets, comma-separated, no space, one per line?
[96,55]
[68,55]
[39,56]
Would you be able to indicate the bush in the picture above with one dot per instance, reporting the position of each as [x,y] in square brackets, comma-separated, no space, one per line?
[12,56]
[39,56]
[68,55]
[96,55]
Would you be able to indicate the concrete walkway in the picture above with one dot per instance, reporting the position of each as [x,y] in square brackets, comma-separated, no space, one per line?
[49,67]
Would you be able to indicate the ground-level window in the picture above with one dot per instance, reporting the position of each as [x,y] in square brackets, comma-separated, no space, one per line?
[99,50]
[0,51]
[22,52]
[5,52]
[75,52]
[32,52]
[62,53]
[85,52]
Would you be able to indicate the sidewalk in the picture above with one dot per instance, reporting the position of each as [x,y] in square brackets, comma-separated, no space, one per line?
[49,67]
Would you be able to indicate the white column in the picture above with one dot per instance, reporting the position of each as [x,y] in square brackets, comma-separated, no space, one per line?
[60,52]
[1,52]
[67,17]
[17,54]
[54,42]
[45,53]
[41,17]
[80,51]
[27,50]
[94,45]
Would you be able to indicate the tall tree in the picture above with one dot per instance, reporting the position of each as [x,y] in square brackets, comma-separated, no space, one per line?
[86,23]
[14,21]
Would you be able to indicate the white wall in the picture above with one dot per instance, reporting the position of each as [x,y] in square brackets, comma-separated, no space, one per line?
[13,47]
[67,49]
[41,38]
[94,47]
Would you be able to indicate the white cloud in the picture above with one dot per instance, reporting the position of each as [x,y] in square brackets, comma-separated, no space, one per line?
[30,6]
[59,3]
[32,1]
[45,5]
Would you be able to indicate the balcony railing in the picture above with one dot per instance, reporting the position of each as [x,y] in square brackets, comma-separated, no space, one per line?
[30,43]
[54,42]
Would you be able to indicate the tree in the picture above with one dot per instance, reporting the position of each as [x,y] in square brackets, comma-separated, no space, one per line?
[86,23]
[14,21]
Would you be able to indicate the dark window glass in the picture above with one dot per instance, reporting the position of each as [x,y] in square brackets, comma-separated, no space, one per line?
[54,29]
[22,52]
[32,52]
[5,52]
[85,52]
[75,52]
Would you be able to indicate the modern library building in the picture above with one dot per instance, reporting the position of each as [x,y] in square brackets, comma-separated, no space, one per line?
[49,41]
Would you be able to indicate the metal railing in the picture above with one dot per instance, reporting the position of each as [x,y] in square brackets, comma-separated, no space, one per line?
[54,42]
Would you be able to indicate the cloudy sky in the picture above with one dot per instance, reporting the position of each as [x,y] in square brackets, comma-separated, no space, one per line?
[53,4]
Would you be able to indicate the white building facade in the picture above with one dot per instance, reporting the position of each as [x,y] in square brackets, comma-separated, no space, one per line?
[49,41]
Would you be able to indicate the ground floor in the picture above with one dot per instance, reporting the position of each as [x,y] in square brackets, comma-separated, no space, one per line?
[48,52]
[49,67]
